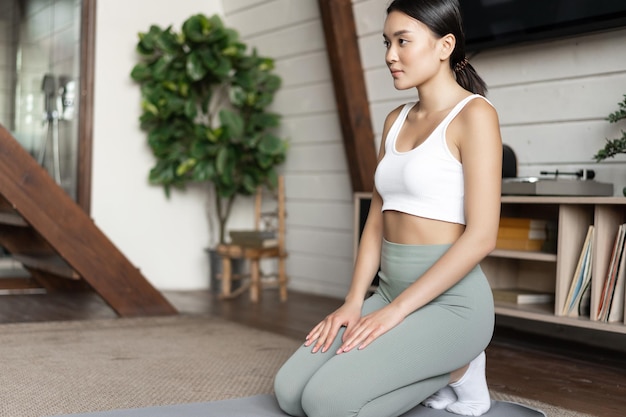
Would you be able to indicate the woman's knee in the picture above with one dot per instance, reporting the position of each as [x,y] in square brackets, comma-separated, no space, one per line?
[288,394]
[323,398]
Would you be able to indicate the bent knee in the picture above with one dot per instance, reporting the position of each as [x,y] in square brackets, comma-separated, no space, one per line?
[288,395]
[328,400]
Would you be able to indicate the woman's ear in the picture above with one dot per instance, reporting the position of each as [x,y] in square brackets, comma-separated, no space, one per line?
[447,44]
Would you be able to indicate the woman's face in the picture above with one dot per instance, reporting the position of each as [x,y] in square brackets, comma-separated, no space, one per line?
[413,53]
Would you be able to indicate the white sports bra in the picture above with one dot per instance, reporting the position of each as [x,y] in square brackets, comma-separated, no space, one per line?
[426,181]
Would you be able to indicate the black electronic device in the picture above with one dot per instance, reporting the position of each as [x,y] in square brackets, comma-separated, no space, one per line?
[577,183]
[494,23]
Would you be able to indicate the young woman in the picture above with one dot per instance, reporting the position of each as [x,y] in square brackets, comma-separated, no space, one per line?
[433,217]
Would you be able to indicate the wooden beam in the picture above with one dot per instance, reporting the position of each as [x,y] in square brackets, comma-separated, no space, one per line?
[350,92]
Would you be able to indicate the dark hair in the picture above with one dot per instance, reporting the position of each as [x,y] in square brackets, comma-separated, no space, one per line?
[443,17]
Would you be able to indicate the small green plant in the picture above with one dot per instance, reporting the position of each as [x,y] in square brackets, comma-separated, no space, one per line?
[204,102]
[614,146]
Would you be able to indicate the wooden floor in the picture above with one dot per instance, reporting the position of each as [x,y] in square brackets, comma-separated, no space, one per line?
[576,377]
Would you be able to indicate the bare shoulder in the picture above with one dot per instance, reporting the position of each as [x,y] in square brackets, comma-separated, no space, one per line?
[478,111]
[477,124]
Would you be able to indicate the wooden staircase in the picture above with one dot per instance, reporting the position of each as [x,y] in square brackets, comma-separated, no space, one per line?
[58,243]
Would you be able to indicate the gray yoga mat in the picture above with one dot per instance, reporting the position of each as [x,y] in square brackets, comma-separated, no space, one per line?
[265,406]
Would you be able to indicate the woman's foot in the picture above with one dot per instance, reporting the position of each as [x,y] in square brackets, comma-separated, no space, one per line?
[471,390]
[441,399]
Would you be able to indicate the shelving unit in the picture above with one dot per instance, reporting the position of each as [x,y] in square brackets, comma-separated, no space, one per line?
[554,272]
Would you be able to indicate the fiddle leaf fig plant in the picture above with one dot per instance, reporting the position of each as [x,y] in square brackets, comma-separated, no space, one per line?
[618,145]
[205,101]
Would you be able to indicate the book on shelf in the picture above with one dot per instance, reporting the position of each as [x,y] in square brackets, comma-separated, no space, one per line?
[523,222]
[616,311]
[613,279]
[526,234]
[505,232]
[254,238]
[520,244]
[581,278]
[521,296]
[584,305]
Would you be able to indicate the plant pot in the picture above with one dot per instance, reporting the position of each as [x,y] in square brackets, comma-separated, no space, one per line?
[215,268]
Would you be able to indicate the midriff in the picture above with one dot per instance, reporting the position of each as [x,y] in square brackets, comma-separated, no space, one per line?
[408,229]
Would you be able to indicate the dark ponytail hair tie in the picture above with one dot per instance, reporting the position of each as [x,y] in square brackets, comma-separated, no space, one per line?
[460,66]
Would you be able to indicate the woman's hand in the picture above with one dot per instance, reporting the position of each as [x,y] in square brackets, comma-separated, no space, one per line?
[370,327]
[325,332]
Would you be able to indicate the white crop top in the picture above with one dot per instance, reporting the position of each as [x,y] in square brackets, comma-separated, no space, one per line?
[426,181]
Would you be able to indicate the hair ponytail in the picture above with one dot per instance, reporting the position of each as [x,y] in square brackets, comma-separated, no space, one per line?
[468,78]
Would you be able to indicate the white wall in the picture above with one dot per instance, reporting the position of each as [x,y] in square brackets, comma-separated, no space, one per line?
[164,239]
[318,190]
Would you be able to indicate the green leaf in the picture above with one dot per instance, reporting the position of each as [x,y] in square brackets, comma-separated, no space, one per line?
[264,120]
[222,69]
[147,41]
[222,160]
[141,72]
[168,42]
[196,28]
[204,171]
[190,109]
[244,80]
[183,89]
[209,59]
[271,145]
[272,83]
[195,67]
[237,96]
[149,107]
[265,161]
[250,184]
[266,64]
[161,67]
[170,85]
[233,123]
[185,167]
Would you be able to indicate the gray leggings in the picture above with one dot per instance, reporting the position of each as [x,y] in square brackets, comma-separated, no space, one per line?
[405,365]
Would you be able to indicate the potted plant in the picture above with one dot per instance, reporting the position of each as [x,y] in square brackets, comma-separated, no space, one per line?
[615,146]
[204,101]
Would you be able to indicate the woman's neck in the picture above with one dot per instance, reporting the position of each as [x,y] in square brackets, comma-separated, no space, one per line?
[438,96]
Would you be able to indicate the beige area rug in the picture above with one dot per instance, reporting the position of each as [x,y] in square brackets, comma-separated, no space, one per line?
[85,366]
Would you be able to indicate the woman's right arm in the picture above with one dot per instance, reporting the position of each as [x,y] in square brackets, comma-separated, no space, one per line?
[365,268]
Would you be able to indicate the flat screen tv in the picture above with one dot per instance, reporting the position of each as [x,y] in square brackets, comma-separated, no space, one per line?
[494,23]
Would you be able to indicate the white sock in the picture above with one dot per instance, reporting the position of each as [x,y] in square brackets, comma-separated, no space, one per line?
[441,399]
[471,390]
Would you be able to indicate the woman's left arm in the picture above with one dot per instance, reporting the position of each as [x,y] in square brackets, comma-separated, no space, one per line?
[480,149]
